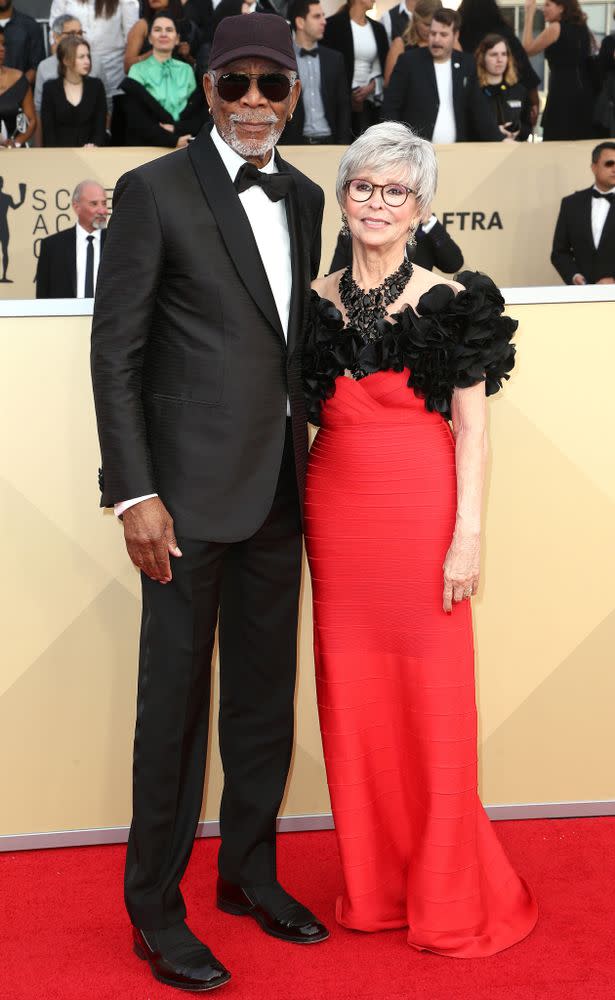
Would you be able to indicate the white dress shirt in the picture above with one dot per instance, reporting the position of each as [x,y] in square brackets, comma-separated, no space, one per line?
[82,249]
[600,210]
[270,228]
[366,61]
[385,20]
[445,129]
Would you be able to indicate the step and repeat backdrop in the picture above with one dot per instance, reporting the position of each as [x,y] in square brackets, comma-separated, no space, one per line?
[499,201]
[544,617]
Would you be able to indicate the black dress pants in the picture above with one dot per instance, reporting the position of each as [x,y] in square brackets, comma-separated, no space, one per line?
[254,584]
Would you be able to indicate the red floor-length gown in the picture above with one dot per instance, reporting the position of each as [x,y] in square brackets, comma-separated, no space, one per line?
[395,679]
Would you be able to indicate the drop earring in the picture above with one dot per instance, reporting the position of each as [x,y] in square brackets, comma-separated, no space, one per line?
[345,228]
[411,241]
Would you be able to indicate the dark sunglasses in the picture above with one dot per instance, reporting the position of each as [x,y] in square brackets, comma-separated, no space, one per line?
[234,86]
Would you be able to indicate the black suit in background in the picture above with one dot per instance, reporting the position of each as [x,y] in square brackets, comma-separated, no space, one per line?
[573,243]
[65,124]
[433,249]
[335,98]
[56,272]
[412,97]
[191,376]
[144,117]
[338,36]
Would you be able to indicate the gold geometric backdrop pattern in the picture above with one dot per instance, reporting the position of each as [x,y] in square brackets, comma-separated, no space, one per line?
[544,617]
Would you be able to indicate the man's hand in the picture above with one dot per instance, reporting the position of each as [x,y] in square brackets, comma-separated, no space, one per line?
[183,141]
[578,279]
[605,281]
[149,537]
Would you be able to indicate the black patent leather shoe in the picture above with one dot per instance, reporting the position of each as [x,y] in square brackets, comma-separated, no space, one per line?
[177,958]
[274,910]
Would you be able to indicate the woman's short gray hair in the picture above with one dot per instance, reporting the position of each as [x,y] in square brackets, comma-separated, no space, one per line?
[393,149]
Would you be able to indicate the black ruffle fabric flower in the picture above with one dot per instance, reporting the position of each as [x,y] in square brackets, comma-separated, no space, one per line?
[450,341]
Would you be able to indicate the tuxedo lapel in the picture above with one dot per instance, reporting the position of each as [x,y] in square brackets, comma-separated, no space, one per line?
[233,224]
[299,263]
[586,219]
[608,230]
[71,249]
[430,77]
[459,84]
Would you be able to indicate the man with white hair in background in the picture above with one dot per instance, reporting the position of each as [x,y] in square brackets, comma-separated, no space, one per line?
[69,260]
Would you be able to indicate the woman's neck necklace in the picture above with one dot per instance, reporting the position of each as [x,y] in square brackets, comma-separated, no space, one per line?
[364,307]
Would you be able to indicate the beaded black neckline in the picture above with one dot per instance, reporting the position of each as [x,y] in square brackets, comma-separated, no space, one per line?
[365,307]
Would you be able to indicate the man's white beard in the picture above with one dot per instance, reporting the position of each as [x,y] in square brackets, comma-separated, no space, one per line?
[251,147]
[99,223]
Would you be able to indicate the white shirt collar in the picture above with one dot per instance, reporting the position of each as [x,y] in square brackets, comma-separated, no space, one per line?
[232,160]
[403,9]
[83,233]
[610,191]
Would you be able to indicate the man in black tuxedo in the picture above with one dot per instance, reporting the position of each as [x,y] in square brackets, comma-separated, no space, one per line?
[434,90]
[322,115]
[196,363]
[584,240]
[68,261]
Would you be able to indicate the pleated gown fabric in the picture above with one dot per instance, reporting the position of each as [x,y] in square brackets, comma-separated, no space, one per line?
[395,680]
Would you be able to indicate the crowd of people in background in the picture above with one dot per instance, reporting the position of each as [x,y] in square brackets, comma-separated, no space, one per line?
[127,72]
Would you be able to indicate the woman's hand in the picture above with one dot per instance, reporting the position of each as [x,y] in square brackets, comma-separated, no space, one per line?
[167,127]
[461,569]
[183,141]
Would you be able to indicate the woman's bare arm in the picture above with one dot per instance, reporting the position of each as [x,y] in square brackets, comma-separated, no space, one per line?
[462,563]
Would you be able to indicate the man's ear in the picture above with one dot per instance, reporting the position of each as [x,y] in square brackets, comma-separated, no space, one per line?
[208,88]
[294,96]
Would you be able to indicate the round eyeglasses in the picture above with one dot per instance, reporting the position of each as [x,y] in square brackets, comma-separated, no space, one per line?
[394,195]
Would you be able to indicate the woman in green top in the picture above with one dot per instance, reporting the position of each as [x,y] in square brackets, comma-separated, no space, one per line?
[162,105]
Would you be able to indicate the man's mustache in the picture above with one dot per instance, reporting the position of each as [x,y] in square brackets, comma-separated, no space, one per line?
[248,118]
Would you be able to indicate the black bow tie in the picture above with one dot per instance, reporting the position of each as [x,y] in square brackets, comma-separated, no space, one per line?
[309,52]
[275,186]
[609,197]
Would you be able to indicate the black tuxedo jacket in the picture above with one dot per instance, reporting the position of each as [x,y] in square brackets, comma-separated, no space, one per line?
[412,97]
[190,366]
[56,272]
[573,244]
[338,35]
[335,98]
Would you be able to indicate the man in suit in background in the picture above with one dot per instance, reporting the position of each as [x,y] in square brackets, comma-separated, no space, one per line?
[196,364]
[434,90]
[322,115]
[68,261]
[584,240]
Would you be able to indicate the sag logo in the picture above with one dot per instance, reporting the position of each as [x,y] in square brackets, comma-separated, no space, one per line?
[7,202]
[478,220]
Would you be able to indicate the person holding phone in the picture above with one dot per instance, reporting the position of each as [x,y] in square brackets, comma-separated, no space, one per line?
[498,78]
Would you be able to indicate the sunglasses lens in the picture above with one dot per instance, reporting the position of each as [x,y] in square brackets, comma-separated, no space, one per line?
[233,86]
[274,86]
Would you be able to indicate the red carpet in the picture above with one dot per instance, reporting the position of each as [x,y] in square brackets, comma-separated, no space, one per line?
[64,933]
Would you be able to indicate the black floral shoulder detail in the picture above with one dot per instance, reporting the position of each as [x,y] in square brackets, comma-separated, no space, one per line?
[450,341]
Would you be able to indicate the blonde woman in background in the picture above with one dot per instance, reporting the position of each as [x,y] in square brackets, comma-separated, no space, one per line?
[415,36]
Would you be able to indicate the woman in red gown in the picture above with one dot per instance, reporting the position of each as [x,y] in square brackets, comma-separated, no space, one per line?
[393,506]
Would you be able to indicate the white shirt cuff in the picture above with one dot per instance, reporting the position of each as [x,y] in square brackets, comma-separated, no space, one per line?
[119,508]
[428,226]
